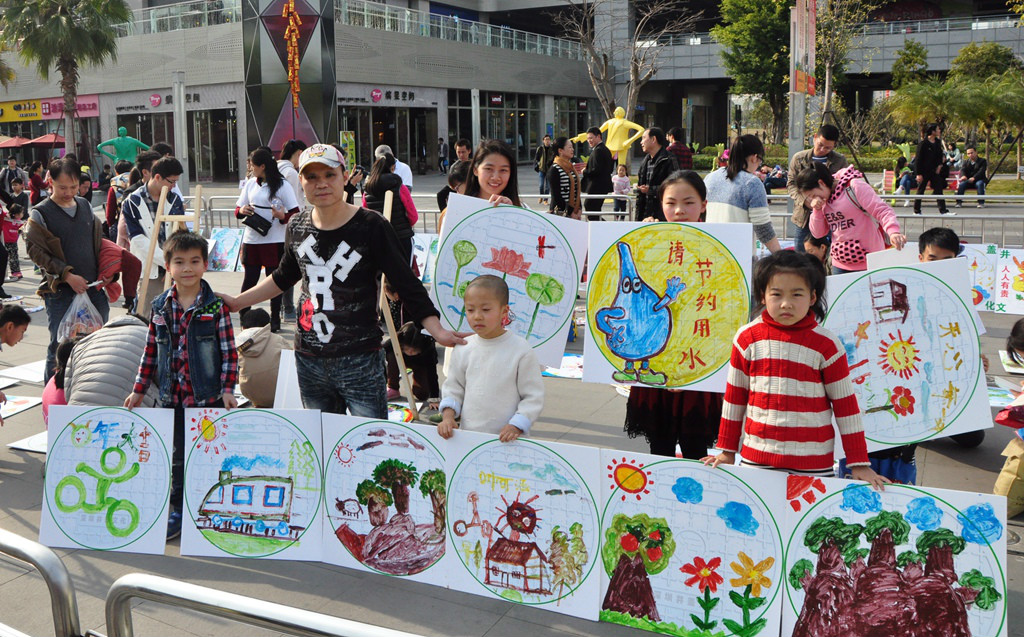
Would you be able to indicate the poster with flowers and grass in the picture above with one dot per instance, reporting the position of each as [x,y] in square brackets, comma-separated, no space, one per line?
[688,550]
[540,256]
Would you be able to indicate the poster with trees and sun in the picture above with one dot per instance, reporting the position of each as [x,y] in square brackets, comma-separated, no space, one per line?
[913,349]
[904,561]
[523,521]
[384,497]
[253,484]
[689,550]
[108,479]
[664,302]
[540,256]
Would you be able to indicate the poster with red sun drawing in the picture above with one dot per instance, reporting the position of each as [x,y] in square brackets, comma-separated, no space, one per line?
[687,549]
[523,522]
[253,484]
[913,348]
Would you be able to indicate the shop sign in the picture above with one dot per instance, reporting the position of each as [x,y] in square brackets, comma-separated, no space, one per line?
[86,105]
[19,111]
[582,105]
[376,95]
[497,99]
[155,100]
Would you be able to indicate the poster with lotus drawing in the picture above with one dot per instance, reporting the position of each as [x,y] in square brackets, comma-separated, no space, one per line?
[539,255]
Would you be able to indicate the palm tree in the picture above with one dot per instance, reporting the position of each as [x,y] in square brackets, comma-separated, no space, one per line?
[63,34]
[6,72]
[922,102]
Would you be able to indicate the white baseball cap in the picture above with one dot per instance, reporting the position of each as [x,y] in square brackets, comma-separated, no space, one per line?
[321,154]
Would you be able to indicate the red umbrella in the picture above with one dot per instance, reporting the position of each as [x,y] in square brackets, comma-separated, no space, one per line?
[48,140]
[14,142]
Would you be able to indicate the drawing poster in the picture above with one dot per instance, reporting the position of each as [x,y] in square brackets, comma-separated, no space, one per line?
[689,548]
[913,350]
[523,521]
[539,255]
[252,484]
[227,243]
[385,491]
[982,266]
[424,252]
[664,302]
[864,562]
[1009,289]
[108,479]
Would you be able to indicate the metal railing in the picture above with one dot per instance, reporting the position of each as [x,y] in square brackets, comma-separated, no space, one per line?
[176,17]
[63,602]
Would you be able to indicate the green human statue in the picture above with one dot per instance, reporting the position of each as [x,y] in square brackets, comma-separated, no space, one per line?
[125,147]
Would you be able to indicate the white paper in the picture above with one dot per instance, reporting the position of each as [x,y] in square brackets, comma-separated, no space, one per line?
[253,484]
[891,257]
[17,404]
[540,256]
[35,443]
[656,333]
[424,251]
[29,372]
[108,478]
[286,394]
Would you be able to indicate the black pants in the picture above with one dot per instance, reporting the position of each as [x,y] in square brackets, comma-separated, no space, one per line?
[249,280]
[593,205]
[937,183]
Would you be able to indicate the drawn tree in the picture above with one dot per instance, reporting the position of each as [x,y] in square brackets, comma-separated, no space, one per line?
[461,293]
[398,477]
[568,555]
[432,485]
[464,253]
[634,548]
[891,611]
[544,290]
[829,589]
[302,464]
[375,499]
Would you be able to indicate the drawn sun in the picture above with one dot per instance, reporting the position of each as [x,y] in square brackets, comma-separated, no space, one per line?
[899,355]
[344,453]
[208,434]
[630,477]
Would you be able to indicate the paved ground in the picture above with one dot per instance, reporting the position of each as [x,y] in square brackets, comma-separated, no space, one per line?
[575,412]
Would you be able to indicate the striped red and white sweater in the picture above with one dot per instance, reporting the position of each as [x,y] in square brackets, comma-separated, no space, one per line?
[785,383]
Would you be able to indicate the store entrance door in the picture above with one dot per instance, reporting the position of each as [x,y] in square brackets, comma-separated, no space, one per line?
[212,137]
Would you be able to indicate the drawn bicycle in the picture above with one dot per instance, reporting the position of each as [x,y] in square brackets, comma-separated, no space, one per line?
[460,527]
[113,506]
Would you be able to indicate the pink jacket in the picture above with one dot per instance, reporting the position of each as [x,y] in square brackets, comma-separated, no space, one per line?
[855,232]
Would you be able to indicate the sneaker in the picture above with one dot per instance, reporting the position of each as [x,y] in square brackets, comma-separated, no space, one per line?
[17,276]
[957,205]
[129,303]
[393,394]
[289,315]
[981,205]
[4,294]
[173,525]
[947,212]
[906,203]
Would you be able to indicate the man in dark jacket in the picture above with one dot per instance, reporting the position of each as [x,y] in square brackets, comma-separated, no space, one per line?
[656,167]
[597,176]
[542,160]
[928,167]
[822,151]
[973,174]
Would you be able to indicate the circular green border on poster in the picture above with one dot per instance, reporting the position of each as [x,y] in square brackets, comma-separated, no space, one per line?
[967,400]
[318,499]
[167,457]
[593,501]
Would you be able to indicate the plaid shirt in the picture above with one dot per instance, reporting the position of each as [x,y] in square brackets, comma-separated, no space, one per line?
[182,395]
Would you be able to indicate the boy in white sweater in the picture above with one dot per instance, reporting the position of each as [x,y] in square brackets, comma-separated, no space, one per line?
[494,381]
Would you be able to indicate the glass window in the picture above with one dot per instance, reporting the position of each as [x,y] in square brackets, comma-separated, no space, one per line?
[273,497]
[217,497]
[241,494]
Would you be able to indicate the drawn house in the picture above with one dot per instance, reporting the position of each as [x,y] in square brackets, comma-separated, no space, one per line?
[889,301]
[517,565]
[249,505]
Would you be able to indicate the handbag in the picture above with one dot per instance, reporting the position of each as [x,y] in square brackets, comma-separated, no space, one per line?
[258,223]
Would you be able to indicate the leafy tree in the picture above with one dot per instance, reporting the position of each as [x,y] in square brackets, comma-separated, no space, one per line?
[835,34]
[892,520]
[911,64]
[988,594]
[568,555]
[845,536]
[398,477]
[754,35]
[940,538]
[802,568]
[979,61]
[906,557]
[62,35]
[375,499]
[432,485]
[919,103]
[635,547]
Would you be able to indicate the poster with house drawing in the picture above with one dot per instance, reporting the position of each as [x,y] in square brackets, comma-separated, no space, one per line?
[108,477]
[907,560]
[913,350]
[384,497]
[690,550]
[1008,297]
[664,302]
[252,484]
[982,266]
[540,256]
[523,521]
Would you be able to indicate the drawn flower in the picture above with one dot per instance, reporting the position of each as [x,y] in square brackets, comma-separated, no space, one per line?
[508,262]
[751,574]
[902,401]
[704,575]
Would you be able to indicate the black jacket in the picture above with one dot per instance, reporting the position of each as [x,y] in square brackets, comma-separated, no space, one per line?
[976,169]
[653,171]
[929,157]
[375,201]
[543,158]
[597,176]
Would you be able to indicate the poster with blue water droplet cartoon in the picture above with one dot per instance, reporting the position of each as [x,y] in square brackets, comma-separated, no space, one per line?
[253,484]
[108,477]
[539,256]
[664,301]
[907,560]
[913,349]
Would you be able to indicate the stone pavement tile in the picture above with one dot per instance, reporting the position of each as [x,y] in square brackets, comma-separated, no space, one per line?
[26,605]
[534,622]
[153,618]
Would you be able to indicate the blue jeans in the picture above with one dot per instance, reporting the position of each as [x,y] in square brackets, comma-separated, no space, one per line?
[355,382]
[800,236]
[979,185]
[544,188]
[907,183]
[57,305]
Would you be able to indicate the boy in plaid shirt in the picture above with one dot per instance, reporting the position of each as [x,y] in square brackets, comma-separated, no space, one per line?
[191,369]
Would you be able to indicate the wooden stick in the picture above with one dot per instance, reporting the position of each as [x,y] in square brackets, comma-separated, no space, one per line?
[153,240]
[177,221]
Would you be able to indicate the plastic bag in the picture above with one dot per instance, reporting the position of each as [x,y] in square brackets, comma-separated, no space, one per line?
[81,318]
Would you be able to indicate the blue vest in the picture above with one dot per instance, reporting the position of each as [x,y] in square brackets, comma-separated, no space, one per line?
[202,345]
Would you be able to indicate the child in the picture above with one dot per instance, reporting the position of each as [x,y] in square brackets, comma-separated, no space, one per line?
[492,175]
[190,351]
[13,220]
[494,382]
[818,247]
[420,354]
[457,177]
[259,356]
[53,393]
[669,418]
[14,321]
[804,366]
[620,186]
[18,194]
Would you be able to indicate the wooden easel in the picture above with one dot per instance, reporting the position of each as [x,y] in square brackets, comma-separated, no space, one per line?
[396,347]
[179,222]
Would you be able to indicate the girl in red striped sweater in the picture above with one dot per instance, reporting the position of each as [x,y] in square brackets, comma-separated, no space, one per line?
[788,376]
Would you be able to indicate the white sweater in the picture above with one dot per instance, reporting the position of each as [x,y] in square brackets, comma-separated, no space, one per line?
[494,382]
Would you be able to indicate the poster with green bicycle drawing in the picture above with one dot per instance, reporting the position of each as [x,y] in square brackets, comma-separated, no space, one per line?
[252,484]
[539,255]
[108,477]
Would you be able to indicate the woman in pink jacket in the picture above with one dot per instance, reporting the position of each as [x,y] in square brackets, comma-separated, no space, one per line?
[847,206]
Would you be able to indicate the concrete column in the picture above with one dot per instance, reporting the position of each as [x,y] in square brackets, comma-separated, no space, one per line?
[547,115]
[474,102]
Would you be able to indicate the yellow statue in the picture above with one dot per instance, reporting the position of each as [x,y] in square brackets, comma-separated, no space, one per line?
[616,131]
